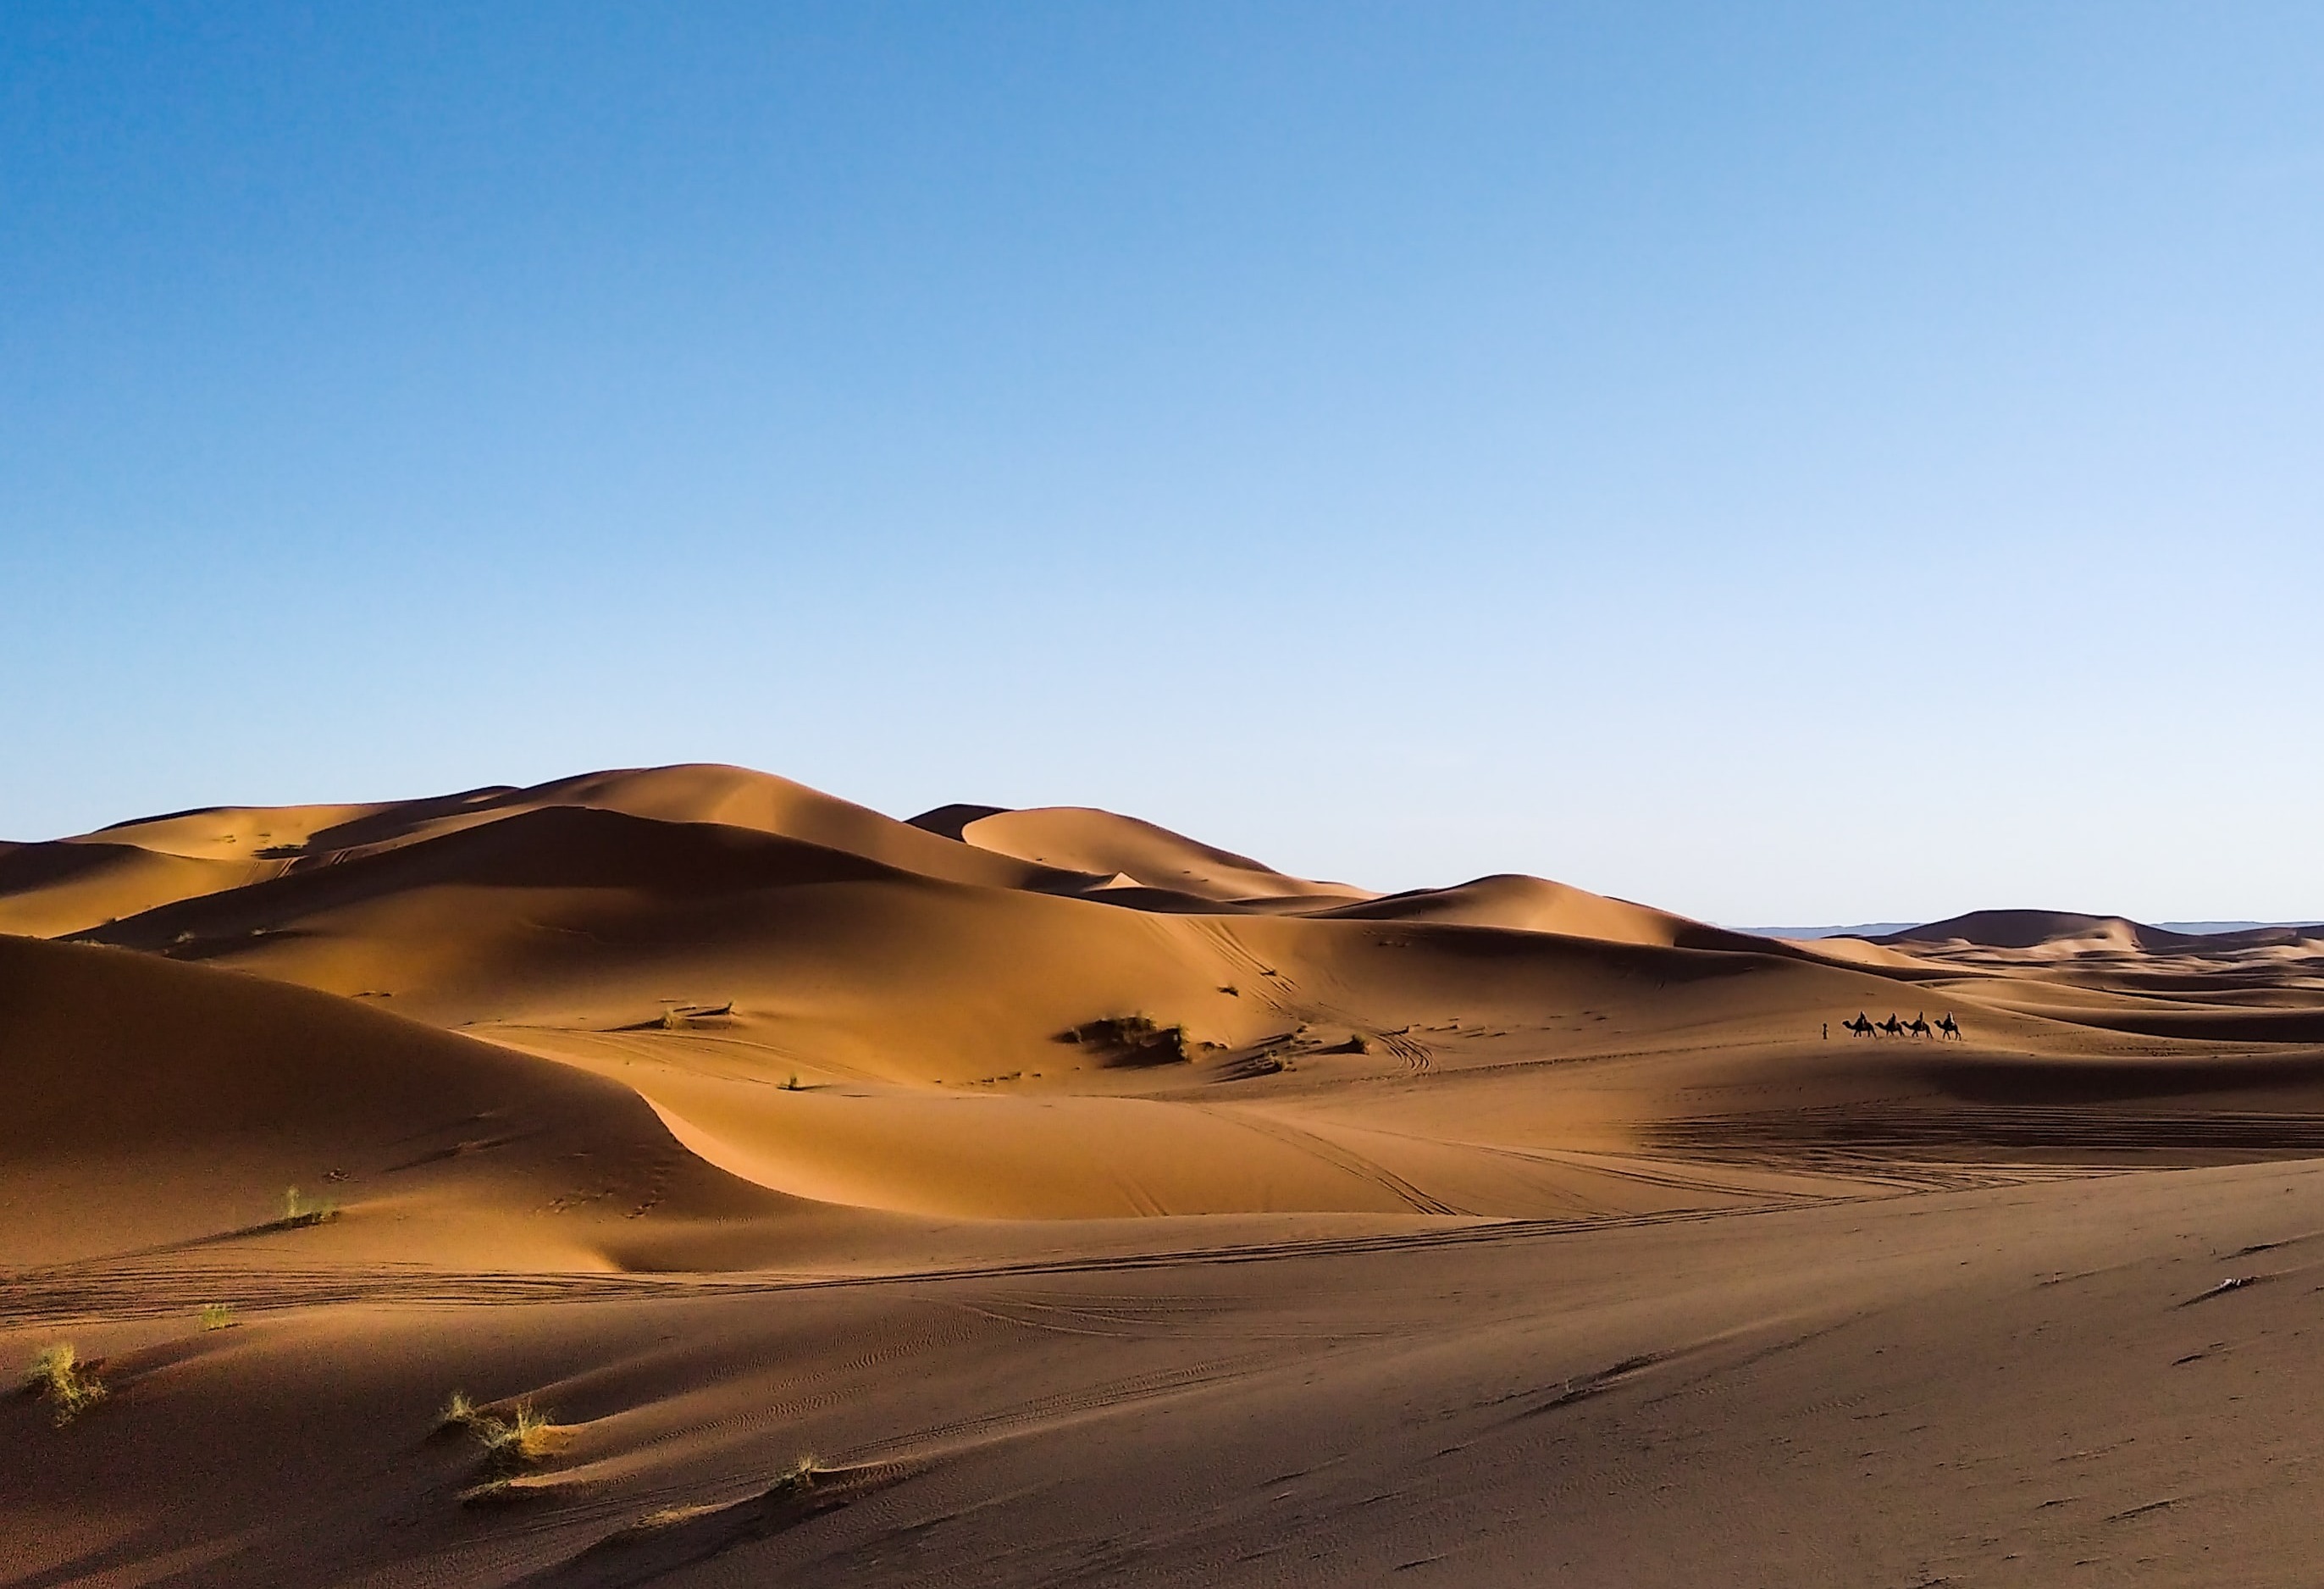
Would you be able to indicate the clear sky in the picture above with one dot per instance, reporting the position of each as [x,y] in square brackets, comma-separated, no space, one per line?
[1786,463]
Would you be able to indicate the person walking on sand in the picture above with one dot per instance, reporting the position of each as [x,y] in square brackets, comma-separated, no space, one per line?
[1826,1031]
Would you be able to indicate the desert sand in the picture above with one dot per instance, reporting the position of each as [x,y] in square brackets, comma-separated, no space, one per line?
[1041,1196]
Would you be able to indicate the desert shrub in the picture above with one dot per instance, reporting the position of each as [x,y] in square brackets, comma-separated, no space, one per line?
[70,1385]
[299,1209]
[218,1315]
[520,1439]
[682,1017]
[798,1478]
[1134,1039]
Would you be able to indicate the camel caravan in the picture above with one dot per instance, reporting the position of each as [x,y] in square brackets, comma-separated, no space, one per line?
[1864,1026]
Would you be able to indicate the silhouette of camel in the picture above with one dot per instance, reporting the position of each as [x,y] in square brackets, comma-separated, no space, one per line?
[1920,1027]
[1860,1027]
[1947,1026]
[1892,1027]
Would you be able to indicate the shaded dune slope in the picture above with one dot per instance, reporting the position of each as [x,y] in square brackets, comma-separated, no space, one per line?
[156,1104]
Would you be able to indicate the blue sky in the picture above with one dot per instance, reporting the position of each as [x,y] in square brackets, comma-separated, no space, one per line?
[1788,463]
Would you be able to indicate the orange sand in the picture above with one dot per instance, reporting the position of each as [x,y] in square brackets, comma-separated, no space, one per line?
[1494,1234]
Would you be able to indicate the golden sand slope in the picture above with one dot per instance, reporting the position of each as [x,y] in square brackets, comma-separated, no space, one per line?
[1129,854]
[49,890]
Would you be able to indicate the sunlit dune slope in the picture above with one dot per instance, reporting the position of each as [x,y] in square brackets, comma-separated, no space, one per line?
[1535,904]
[1127,853]
[736,797]
[51,890]
[1856,951]
[579,916]
[151,1103]
[239,832]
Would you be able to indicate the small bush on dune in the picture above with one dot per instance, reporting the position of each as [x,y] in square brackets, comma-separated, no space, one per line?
[525,1438]
[70,1385]
[218,1315]
[509,1446]
[299,1209]
[1134,1039]
[520,1439]
[683,1017]
[798,1478]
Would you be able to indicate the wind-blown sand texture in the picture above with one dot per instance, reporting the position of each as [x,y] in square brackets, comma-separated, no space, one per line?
[1100,1206]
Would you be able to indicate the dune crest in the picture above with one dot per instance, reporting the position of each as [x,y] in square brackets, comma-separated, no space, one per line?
[1126,852]
[2035,929]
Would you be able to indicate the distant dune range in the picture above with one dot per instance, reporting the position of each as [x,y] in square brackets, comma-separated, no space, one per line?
[681,1038]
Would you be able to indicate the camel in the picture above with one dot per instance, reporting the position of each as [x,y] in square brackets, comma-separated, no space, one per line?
[1892,1027]
[1920,1027]
[1949,1027]
[1861,1027]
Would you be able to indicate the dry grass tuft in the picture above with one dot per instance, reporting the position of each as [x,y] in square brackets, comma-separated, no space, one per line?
[70,1385]
[299,1209]
[522,1438]
[796,1479]
[793,1484]
[669,1517]
[506,1490]
[509,1446]
[458,1413]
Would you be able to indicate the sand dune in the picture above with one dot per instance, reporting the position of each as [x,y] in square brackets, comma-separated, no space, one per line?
[1126,854]
[1103,1205]
[161,1106]
[2033,930]
[1534,904]
[894,1037]
[51,890]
